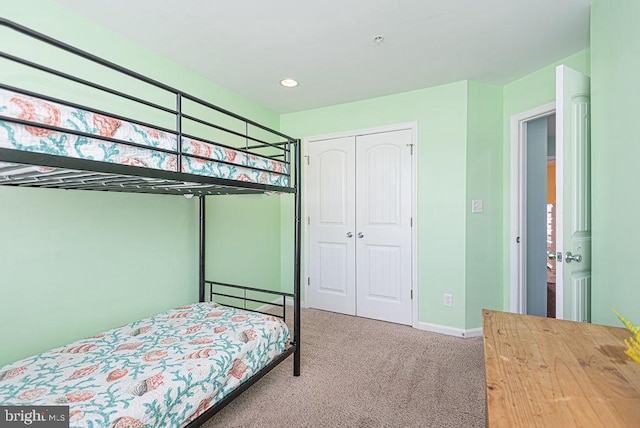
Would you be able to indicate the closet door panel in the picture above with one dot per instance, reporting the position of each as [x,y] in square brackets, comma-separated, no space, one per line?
[383,216]
[384,275]
[331,205]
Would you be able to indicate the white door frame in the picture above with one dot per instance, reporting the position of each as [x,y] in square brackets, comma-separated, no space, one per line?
[518,198]
[413,126]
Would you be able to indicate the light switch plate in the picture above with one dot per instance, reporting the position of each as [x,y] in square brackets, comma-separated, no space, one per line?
[477,206]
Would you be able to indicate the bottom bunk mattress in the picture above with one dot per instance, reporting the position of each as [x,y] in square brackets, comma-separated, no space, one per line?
[162,371]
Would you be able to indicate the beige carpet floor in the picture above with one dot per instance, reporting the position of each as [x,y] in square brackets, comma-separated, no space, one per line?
[358,372]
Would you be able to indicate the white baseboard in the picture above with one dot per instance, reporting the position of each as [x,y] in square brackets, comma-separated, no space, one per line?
[474,332]
[450,331]
[434,328]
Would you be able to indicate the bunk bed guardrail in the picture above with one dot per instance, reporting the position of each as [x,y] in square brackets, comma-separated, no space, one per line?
[186,158]
[244,299]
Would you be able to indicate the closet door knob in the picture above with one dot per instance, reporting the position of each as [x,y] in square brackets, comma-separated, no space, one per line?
[349,234]
[360,235]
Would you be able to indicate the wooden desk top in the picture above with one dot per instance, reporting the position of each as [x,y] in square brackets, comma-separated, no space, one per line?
[543,372]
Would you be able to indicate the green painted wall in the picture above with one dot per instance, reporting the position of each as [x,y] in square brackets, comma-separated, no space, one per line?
[243,241]
[287,236]
[484,179]
[74,263]
[441,114]
[615,61]
[526,93]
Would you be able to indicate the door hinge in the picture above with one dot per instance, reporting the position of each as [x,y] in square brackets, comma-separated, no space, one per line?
[309,221]
[410,148]
[307,156]
[411,294]
[308,280]
[411,222]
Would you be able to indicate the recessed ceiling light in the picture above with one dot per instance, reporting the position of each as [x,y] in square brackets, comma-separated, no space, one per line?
[289,83]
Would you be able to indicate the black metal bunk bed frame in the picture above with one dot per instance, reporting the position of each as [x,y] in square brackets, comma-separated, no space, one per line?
[84,174]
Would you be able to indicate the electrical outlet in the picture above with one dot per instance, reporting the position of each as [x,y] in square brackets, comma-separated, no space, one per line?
[447,300]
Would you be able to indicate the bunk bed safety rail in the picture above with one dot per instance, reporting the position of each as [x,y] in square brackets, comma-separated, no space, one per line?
[190,145]
[225,290]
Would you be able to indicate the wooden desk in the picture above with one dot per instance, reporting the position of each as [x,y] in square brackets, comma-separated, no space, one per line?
[542,372]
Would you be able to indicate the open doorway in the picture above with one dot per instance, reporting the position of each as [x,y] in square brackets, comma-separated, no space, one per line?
[540,216]
[551,217]
[533,216]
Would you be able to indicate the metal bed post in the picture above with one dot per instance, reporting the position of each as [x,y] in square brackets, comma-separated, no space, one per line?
[179,131]
[297,257]
[202,247]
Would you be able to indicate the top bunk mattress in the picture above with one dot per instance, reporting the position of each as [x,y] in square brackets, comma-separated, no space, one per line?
[162,371]
[32,124]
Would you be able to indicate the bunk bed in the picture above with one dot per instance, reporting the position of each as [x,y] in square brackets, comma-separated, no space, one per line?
[182,366]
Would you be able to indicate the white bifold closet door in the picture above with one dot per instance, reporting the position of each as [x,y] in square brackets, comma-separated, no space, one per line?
[359,209]
[331,192]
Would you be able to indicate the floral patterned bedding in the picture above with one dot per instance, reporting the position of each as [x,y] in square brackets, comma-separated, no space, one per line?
[241,165]
[161,371]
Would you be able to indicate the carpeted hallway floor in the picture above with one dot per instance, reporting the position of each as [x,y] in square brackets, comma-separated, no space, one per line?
[358,372]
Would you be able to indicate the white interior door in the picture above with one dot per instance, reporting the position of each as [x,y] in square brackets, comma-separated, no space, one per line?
[573,273]
[331,212]
[383,216]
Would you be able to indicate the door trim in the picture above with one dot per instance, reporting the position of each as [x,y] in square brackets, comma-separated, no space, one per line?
[413,127]
[518,212]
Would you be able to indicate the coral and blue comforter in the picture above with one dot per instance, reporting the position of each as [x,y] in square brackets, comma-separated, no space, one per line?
[161,371]
[235,164]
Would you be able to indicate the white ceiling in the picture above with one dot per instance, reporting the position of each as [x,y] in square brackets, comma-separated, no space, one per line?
[248,46]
